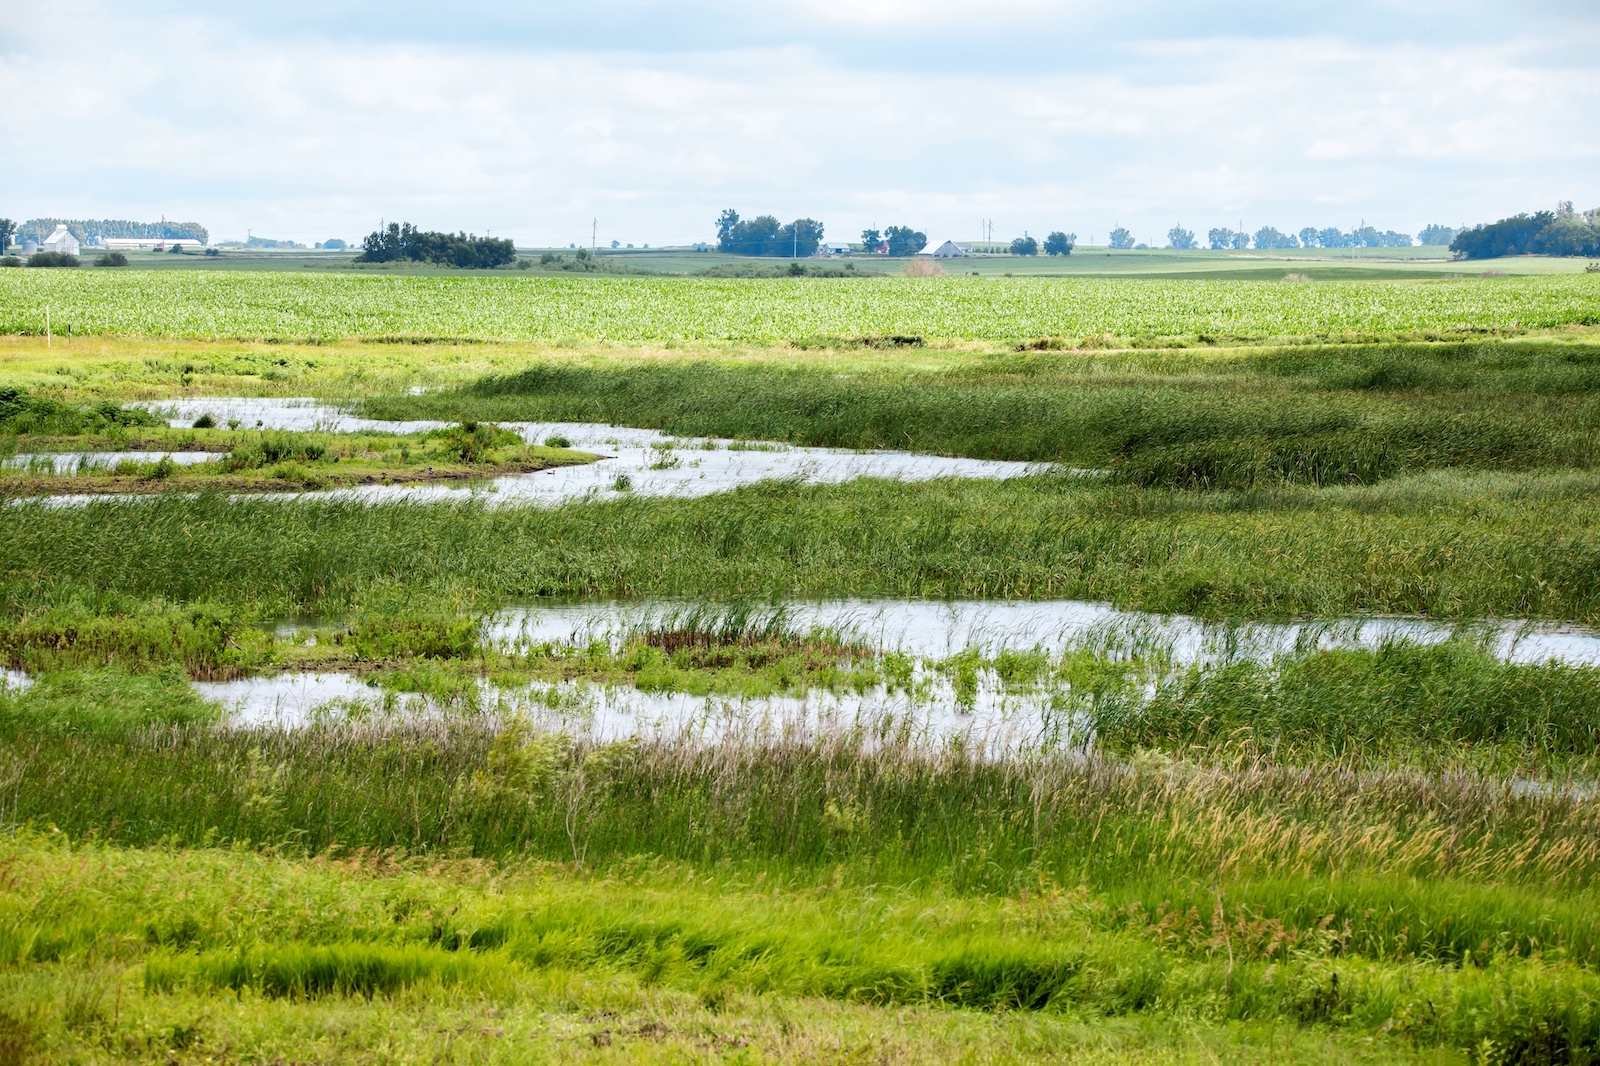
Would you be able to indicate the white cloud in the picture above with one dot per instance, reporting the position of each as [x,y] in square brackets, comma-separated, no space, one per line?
[314,136]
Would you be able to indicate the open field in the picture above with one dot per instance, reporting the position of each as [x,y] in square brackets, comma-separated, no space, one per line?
[1321,264]
[1335,854]
[289,306]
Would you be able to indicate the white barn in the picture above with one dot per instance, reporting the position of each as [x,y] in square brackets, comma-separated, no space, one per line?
[947,250]
[60,241]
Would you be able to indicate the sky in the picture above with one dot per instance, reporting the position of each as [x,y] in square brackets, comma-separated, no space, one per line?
[640,121]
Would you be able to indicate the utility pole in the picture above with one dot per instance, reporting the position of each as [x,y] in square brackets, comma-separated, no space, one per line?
[594,238]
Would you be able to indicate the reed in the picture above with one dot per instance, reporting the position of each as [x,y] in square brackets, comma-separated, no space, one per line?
[1315,415]
[1442,545]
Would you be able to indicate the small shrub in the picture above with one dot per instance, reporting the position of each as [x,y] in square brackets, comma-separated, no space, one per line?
[10,261]
[556,440]
[623,483]
[924,268]
[205,422]
[112,259]
[52,259]
[471,442]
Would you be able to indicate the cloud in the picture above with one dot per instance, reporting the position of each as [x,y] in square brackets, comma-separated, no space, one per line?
[309,129]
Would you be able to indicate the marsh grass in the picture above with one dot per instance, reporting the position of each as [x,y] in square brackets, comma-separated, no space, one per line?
[1455,546]
[1232,420]
[617,956]
[1491,950]
[1402,698]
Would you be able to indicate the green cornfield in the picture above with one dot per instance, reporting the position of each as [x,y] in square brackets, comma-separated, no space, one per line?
[272,305]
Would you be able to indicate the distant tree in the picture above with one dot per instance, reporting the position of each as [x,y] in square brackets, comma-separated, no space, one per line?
[1180,238]
[765,236]
[1436,234]
[1570,234]
[1219,239]
[445,249]
[1269,237]
[1559,232]
[335,245]
[91,230]
[805,237]
[1308,237]
[1059,243]
[1393,239]
[872,239]
[1366,237]
[1516,235]
[903,240]
[1024,246]
[7,228]
[1332,238]
[1120,238]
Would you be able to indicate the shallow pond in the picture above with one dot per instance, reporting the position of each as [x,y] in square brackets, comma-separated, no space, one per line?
[928,711]
[66,463]
[938,629]
[982,711]
[653,463]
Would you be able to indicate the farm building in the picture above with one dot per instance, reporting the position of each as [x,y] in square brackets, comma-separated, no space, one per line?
[60,241]
[139,244]
[947,250]
[835,248]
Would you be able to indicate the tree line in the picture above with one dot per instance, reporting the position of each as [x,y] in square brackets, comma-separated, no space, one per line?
[764,235]
[91,230]
[1559,232]
[404,241]
[1270,237]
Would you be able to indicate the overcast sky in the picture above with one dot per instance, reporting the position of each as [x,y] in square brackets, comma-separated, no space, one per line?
[312,119]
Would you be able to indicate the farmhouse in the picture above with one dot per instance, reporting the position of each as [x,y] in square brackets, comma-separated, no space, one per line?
[60,241]
[947,250]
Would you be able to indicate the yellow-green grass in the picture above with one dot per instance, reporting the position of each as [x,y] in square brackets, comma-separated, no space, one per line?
[288,306]
[130,955]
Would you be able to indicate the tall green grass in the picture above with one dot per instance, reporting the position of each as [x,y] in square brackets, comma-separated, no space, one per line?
[1435,864]
[1401,698]
[1331,415]
[1447,546]
[391,930]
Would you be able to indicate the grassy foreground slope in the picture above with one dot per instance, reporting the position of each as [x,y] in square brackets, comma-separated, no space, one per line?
[290,306]
[199,956]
